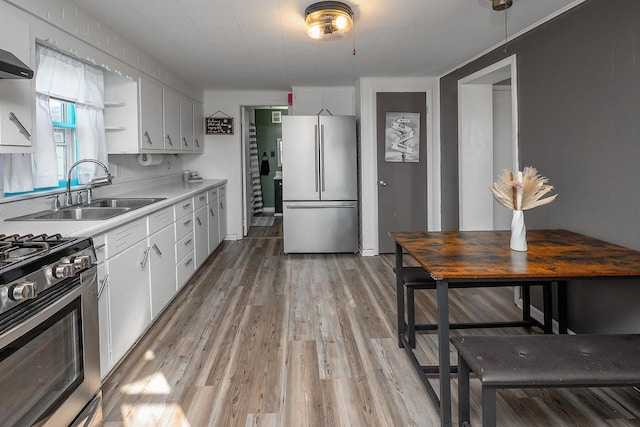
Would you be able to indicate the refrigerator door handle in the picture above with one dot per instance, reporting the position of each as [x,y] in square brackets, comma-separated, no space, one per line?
[315,130]
[323,185]
[322,206]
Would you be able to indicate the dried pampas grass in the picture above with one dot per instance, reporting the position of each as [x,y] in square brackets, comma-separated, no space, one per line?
[522,191]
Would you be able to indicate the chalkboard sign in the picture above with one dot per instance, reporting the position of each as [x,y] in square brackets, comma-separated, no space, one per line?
[219,126]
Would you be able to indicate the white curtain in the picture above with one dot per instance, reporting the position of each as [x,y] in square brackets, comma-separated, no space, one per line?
[62,76]
[45,162]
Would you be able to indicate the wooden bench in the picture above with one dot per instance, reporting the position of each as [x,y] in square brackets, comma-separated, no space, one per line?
[416,278]
[542,361]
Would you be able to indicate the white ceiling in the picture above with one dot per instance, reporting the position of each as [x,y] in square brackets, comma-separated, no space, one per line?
[262,44]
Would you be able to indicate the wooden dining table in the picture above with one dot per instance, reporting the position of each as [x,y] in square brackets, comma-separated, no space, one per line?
[483,258]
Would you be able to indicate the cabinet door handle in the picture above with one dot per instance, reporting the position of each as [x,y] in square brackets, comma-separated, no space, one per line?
[203,197]
[99,247]
[186,144]
[189,261]
[211,210]
[221,206]
[185,206]
[146,134]
[145,256]
[197,144]
[157,249]
[188,242]
[169,139]
[198,220]
[23,130]
[187,222]
[103,285]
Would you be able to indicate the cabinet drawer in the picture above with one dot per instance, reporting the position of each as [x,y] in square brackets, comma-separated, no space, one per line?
[185,269]
[184,246]
[184,226]
[183,207]
[213,194]
[100,246]
[200,200]
[125,236]
[159,220]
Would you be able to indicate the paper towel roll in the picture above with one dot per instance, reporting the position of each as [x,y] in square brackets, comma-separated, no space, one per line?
[149,159]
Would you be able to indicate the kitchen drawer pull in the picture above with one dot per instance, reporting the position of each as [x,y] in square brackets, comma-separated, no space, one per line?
[198,220]
[143,262]
[188,242]
[103,285]
[186,144]
[187,222]
[157,249]
[211,210]
[169,139]
[203,198]
[146,134]
[23,130]
[99,247]
[189,261]
[185,206]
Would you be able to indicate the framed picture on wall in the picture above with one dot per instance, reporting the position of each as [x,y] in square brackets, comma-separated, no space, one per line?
[276,117]
[402,137]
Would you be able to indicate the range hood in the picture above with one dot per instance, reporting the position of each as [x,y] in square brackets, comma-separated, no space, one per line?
[12,68]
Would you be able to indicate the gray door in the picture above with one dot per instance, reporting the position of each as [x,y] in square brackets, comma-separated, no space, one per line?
[402,186]
[300,158]
[338,174]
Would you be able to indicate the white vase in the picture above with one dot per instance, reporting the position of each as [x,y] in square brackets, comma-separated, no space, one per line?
[518,232]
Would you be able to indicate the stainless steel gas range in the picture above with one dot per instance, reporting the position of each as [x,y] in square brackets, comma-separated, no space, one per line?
[49,348]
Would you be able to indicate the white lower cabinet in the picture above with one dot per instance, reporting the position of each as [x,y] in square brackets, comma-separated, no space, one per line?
[104,322]
[222,214]
[214,227]
[162,255]
[201,235]
[142,265]
[129,297]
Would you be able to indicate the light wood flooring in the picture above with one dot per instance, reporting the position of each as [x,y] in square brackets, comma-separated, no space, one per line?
[259,338]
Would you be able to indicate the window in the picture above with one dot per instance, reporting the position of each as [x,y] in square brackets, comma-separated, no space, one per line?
[63,115]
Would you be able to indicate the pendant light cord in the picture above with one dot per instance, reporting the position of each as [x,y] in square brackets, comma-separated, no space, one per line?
[505,31]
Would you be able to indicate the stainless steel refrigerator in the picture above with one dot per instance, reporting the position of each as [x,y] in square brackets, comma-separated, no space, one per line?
[319,184]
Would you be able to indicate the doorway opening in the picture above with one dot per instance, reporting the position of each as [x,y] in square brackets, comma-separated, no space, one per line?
[487,142]
[261,163]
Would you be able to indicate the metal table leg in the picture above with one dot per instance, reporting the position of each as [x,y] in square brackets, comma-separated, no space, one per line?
[399,295]
[464,411]
[548,308]
[442,287]
[562,307]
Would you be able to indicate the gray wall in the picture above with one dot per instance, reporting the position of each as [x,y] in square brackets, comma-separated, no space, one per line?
[579,117]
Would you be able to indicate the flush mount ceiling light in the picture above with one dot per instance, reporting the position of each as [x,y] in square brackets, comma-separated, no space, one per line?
[501,4]
[328,20]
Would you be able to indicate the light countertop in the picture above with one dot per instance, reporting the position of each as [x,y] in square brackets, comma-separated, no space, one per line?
[173,192]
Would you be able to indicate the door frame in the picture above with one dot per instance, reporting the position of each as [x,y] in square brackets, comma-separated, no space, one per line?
[475,132]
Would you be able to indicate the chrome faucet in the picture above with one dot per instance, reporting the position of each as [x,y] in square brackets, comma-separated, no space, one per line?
[95,182]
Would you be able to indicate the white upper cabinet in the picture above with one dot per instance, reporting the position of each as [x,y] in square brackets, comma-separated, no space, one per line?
[186,124]
[143,116]
[151,122]
[198,128]
[171,120]
[334,100]
[17,96]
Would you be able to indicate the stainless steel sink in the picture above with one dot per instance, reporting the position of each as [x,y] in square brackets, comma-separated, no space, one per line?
[97,210]
[83,213]
[123,202]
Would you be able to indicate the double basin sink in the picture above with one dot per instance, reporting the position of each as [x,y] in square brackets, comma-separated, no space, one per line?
[97,210]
